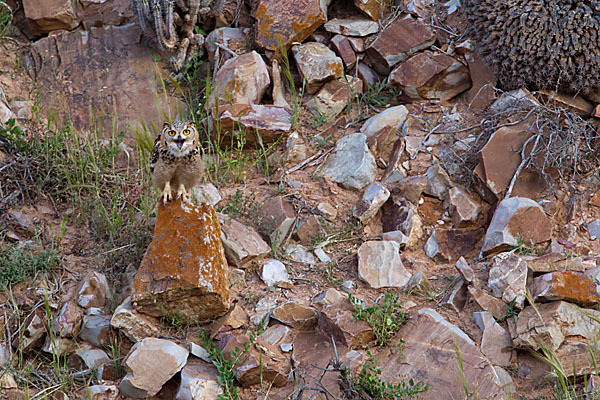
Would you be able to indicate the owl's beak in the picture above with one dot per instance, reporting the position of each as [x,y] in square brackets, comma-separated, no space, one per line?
[179,143]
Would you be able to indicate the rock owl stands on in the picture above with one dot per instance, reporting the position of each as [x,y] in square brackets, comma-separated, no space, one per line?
[176,160]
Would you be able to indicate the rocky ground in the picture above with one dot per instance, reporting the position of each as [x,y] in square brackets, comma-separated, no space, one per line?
[375,210]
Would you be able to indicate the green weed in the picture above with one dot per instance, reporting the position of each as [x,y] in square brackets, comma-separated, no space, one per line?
[511,311]
[6,17]
[318,120]
[385,320]
[369,380]
[295,95]
[19,264]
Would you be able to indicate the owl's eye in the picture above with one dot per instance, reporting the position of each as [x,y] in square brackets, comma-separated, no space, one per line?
[186,132]
[171,133]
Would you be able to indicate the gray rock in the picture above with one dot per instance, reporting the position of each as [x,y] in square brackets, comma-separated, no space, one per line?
[496,343]
[102,392]
[438,182]
[93,359]
[237,278]
[431,246]
[200,352]
[352,165]
[321,255]
[317,64]
[206,193]
[95,329]
[134,325]
[462,207]
[594,229]
[273,272]
[144,378]
[508,278]
[298,253]
[379,265]
[374,197]
[395,236]
[391,117]
[328,297]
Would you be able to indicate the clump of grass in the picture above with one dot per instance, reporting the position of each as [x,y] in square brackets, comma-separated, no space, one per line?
[385,320]
[19,263]
[369,381]
[6,17]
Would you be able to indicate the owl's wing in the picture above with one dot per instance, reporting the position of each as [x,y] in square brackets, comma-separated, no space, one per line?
[155,153]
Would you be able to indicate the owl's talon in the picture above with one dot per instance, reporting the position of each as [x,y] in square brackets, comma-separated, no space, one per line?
[167,196]
[185,197]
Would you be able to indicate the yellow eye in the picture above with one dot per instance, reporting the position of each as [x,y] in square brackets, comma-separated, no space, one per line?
[171,133]
[186,132]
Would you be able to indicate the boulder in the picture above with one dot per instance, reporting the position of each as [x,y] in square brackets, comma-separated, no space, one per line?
[343,47]
[277,217]
[280,23]
[463,208]
[241,243]
[273,272]
[517,218]
[199,381]
[380,265]
[374,9]
[351,164]
[296,315]
[333,97]
[270,122]
[184,270]
[94,291]
[431,76]
[242,79]
[430,355]
[336,321]
[149,365]
[95,330]
[397,42]
[317,64]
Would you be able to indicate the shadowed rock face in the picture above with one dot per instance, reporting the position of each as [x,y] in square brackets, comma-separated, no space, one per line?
[184,270]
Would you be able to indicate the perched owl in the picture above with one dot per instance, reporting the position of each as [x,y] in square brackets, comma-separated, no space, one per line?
[176,160]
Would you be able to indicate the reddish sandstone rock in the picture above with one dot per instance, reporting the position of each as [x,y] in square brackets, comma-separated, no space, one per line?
[50,15]
[373,8]
[296,315]
[184,270]
[268,121]
[575,287]
[285,22]
[336,320]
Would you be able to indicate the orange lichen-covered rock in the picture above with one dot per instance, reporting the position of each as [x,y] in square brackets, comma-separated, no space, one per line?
[184,270]
[576,287]
[282,22]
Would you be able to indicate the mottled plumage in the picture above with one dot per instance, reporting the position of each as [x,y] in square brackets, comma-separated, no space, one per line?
[176,160]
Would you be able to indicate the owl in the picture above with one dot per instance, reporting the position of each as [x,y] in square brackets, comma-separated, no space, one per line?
[176,160]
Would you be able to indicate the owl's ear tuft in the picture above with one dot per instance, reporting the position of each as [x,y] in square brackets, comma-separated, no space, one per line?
[191,125]
[166,125]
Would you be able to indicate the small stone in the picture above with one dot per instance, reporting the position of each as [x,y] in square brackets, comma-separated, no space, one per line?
[438,182]
[328,297]
[348,285]
[397,42]
[508,278]
[395,236]
[277,216]
[317,65]
[241,243]
[411,187]
[327,210]
[517,217]
[368,77]
[5,113]
[336,320]
[144,378]
[33,332]
[134,325]
[321,255]
[235,40]
[237,278]
[465,270]
[242,79]
[374,197]
[276,334]
[496,343]
[235,318]
[21,108]
[487,302]
[352,26]
[374,9]
[344,50]
[198,382]
[298,253]
[206,193]
[95,330]
[456,243]
[398,214]
[463,208]
[456,297]
[333,98]
[379,265]
[351,164]
[392,117]
[184,270]
[296,315]
[94,291]
[58,346]
[101,392]
[594,229]
[92,359]
[431,76]
[68,320]
[273,272]
[575,287]
[310,230]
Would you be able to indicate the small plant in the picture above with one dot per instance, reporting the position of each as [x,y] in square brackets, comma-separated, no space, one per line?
[6,17]
[296,96]
[369,381]
[115,351]
[511,311]
[176,320]
[318,121]
[330,277]
[226,366]
[525,249]
[384,320]
[18,264]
